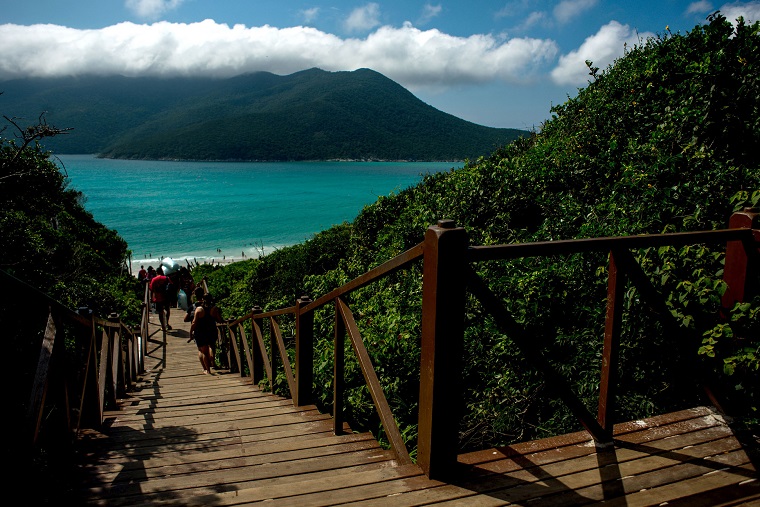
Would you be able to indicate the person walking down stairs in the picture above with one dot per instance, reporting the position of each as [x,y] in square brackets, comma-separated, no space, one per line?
[203,331]
[158,286]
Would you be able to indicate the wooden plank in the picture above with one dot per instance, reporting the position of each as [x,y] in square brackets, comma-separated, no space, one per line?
[230,400]
[199,462]
[745,494]
[563,482]
[698,489]
[233,446]
[171,443]
[322,482]
[254,425]
[188,415]
[159,447]
[192,439]
[316,424]
[341,492]
[235,478]
[572,460]
[657,427]
[620,480]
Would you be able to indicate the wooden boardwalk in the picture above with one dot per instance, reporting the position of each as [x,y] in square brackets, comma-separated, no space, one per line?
[186,438]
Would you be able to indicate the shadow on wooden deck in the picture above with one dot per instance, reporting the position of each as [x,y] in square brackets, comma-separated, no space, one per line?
[185,438]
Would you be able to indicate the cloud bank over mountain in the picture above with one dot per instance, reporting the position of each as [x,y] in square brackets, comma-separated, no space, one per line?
[468,65]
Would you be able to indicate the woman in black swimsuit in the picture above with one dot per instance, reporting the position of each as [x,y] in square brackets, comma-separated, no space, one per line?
[203,331]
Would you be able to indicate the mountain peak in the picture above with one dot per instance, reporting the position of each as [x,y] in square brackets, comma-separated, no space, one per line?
[308,115]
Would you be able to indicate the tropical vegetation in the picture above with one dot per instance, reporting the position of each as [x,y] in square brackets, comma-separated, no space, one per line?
[53,253]
[661,141]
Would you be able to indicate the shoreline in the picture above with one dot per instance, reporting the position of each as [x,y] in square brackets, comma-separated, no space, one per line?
[188,262]
[256,161]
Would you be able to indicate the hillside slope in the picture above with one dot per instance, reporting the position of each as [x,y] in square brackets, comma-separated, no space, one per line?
[309,115]
[659,142]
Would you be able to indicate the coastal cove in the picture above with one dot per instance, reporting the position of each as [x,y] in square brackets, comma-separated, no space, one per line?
[226,211]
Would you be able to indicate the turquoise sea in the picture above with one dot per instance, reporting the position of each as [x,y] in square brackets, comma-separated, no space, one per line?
[225,211]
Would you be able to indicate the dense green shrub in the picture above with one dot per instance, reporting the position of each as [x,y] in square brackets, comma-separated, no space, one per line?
[52,248]
[661,141]
[52,243]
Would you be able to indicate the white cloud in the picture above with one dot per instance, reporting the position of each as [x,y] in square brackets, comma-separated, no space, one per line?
[514,8]
[151,9]
[428,58]
[566,10]
[750,11]
[601,49]
[309,15]
[534,18]
[363,18]
[412,57]
[699,7]
[428,13]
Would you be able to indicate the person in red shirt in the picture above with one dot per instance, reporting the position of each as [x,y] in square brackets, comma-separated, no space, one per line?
[159,297]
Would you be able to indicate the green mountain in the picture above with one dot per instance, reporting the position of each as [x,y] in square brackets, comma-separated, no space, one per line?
[309,115]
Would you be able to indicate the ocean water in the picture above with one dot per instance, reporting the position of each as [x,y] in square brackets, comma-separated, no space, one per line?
[226,211]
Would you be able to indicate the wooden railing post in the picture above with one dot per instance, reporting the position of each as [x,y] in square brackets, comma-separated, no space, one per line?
[258,362]
[144,329]
[613,322]
[304,353]
[338,370]
[116,356]
[740,271]
[443,299]
[90,404]
[36,408]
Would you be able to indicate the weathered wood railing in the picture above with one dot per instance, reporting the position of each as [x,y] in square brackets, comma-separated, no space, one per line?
[108,356]
[447,276]
[85,363]
[300,383]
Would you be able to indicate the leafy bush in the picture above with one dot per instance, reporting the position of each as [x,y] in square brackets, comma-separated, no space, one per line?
[53,244]
[661,141]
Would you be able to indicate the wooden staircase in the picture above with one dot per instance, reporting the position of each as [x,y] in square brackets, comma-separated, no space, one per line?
[188,438]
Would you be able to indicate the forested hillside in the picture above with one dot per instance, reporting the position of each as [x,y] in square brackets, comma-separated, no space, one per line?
[309,115]
[662,141]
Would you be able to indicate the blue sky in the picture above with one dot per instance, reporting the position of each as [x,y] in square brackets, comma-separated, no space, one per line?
[500,63]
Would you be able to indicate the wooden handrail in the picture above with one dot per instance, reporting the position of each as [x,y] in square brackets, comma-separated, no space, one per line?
[446,277]
[112,352]
[302,396]
[572,246]
[388,267]
[370,377]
